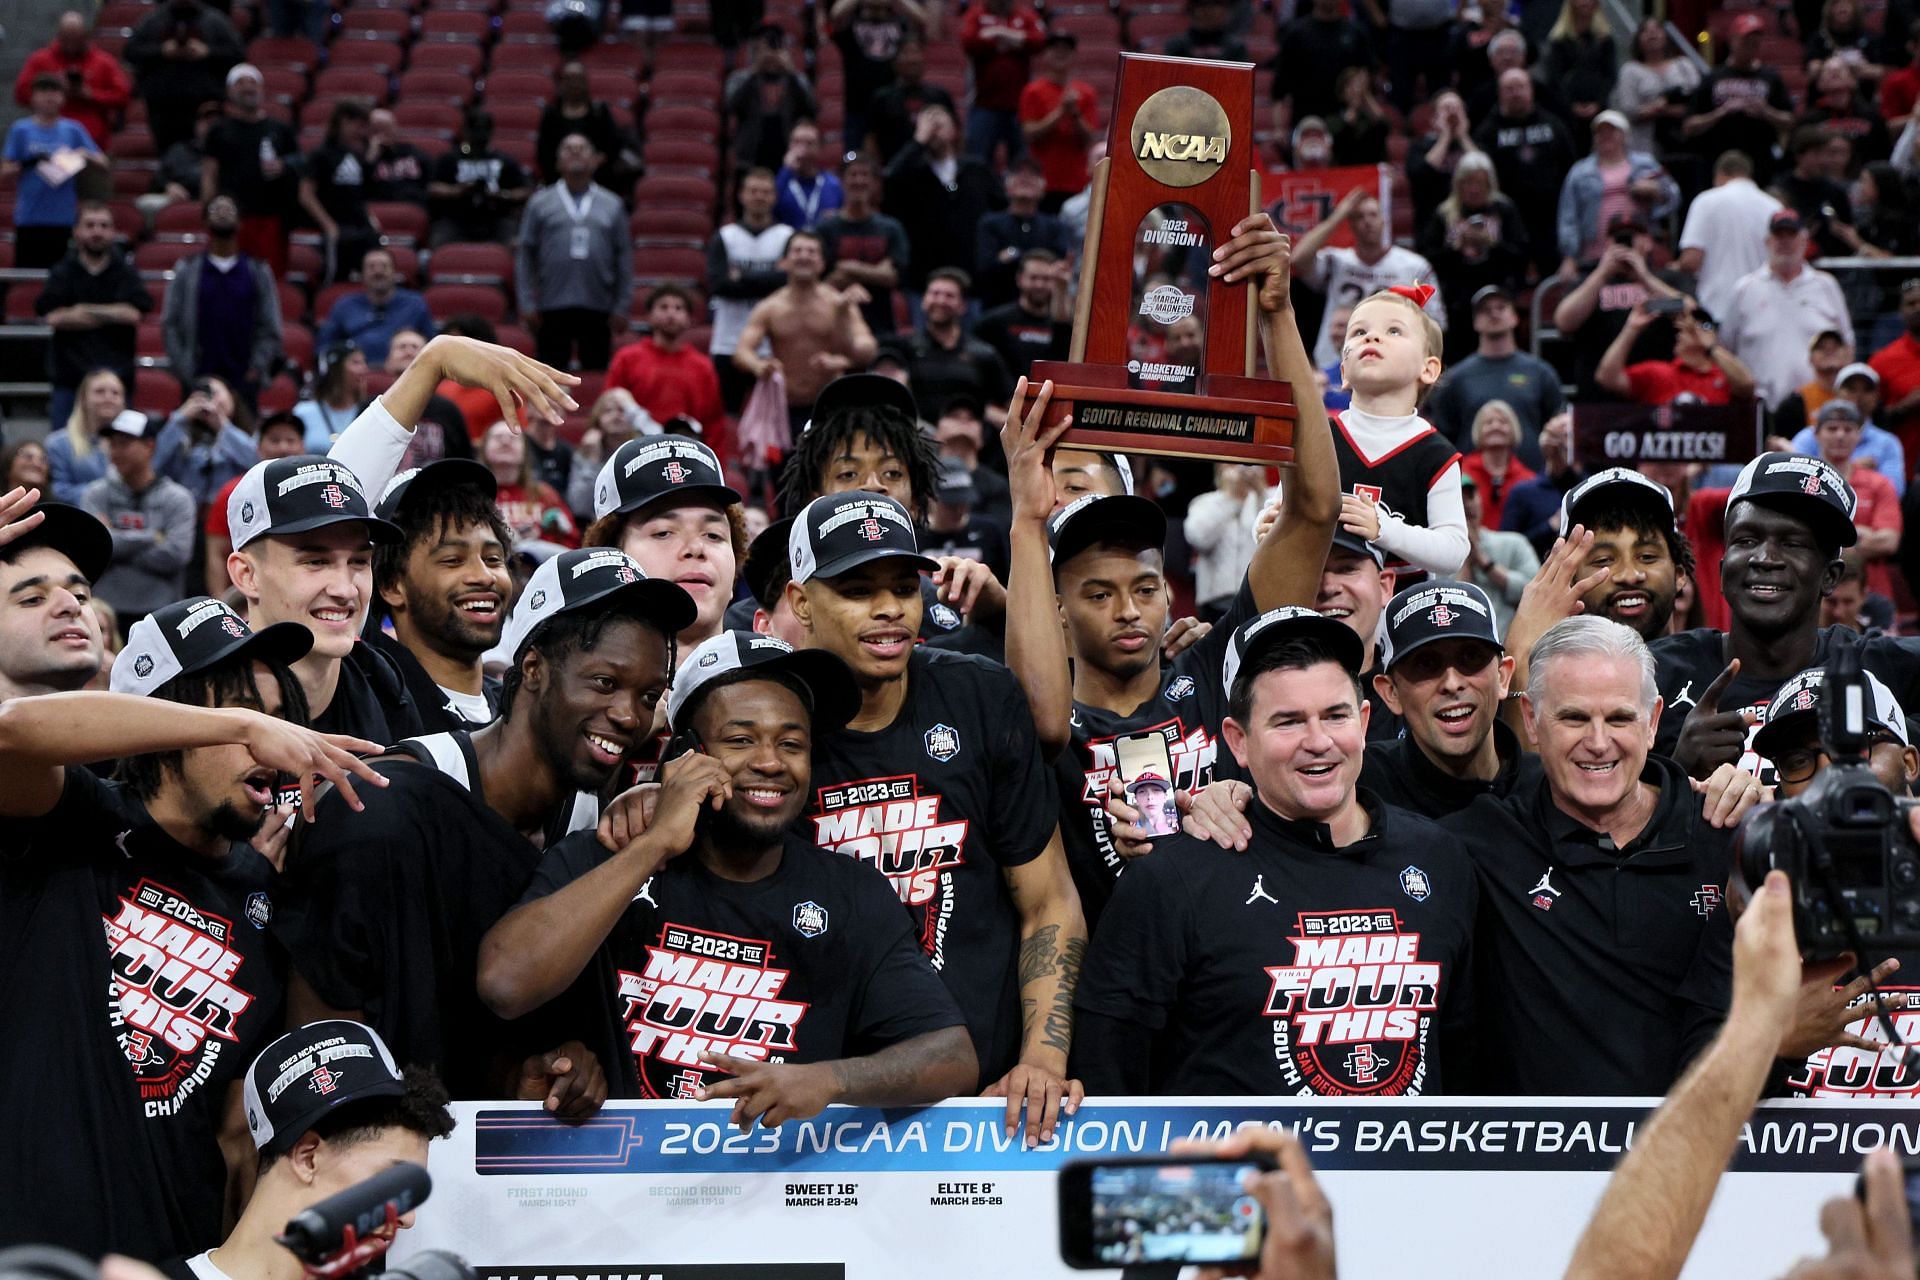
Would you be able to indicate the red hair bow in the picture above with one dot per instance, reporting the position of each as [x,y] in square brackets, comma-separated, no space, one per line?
[1418,294]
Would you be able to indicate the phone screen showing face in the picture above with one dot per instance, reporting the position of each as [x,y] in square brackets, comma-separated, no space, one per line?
[1146,776]
[1176,1213]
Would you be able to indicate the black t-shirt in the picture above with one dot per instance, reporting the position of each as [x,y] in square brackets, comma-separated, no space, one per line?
[980,538]
[118,1058]
[1187,711]
[383,911]
[476,213]
[894,110]
[815,962]
[1401,774]
[371,700]
[870,241]
[1293,968]
[1685,664]
[939,374]
[1618,297]
[74,353]
[340,181]
[868,47]
[1736,131]
[236,145]
[1021,337]
[1820,202]
[1312,55]
[1584,947]
[400,174]
[436,713]
[944,800]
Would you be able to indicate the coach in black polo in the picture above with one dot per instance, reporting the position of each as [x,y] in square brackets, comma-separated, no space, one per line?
[1601,885]
[1217,972]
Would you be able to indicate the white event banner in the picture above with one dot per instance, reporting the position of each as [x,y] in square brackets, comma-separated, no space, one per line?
[1473,1188]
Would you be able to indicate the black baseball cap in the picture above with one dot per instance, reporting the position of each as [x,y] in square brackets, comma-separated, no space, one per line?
[1799,700]
[595,578]
[1785,222]
[416,483]
[953,482]
[195,634]
[1256,635]
[842,531]
[733,656]
[1617,484]
[308,1073]
[299,494]
[1803,487]
[767,560]
[1428,612]
[861,391]
[78,535]
[1345,541]
[1488,292]
[1099,517]
[648,469]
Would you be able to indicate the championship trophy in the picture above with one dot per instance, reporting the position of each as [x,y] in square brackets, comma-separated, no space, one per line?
[1179,174]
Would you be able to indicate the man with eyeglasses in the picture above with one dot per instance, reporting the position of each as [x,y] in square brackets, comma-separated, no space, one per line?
[1858,1065]
[1701,368]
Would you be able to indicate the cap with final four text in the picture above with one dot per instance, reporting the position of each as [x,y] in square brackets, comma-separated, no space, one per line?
[194,634]
[298,495]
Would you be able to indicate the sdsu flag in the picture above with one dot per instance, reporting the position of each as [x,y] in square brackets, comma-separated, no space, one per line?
[1300,201]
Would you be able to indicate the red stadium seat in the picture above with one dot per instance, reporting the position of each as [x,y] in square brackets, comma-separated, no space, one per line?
[699,154]
[128,222]
[434,121]
[512,335]
[297,341]
[398,218]
[156,391]
[613,55]
[150,344]
[458,26]
[682,120]
[130,144]
[685,86]
[520,147]
[284,84]
[471,264]
[279,396]
[534,87]
[455,299]
[20,303]
[330,298]
[650,222]
[351,82]
[669,189]
[121,13]
[524,27]
[514,117]
[384,56]
[371,22]
[437,85]
[683,264]
[295,52]
[613,84]
[440,56]
[406,263]
[130,181]
[157,255]
[378,380]
[686,55]
[304,263]
[293,304]
[180,219]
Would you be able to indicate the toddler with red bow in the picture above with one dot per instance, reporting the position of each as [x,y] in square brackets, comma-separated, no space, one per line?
[1400,478]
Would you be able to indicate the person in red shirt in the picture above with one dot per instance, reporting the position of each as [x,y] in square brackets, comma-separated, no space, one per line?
[97,86]
[532,510]
[1700,367]
[668,378]
[1898,364]
[1900,90]
[1000,37]
[1057,116]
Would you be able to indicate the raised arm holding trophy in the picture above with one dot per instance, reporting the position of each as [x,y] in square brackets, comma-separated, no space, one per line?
[1179,175]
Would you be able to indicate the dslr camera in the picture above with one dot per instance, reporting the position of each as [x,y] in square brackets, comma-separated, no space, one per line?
[1844,842]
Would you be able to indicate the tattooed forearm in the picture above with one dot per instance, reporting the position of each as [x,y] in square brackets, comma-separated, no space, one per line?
[1039,954]
[1058,1031]
[1048,974]
[926,1068]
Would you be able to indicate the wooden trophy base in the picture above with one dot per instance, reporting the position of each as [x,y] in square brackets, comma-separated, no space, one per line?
[1229,419]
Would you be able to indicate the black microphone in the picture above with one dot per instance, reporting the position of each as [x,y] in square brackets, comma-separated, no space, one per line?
[319,1232]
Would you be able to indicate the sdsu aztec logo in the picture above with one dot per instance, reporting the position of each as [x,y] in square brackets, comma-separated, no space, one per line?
[333,496]
[1354,1010]
[175,1002]
[674,472]
[704,992]
[886,821]
[1858,1074]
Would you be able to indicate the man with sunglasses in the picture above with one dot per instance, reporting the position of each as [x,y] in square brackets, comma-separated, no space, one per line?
[1701,368]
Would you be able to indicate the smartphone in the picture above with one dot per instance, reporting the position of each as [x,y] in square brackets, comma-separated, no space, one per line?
[1171,1210]
[680,744]
[1146,778]
[1910,1175]
[1666,306]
